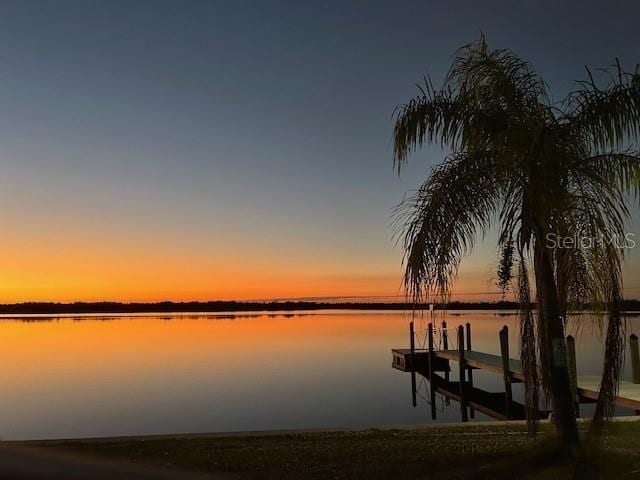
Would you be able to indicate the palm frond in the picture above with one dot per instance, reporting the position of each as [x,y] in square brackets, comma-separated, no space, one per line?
[606,116]
[440,223]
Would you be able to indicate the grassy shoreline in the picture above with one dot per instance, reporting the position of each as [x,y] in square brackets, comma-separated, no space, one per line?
[444,451]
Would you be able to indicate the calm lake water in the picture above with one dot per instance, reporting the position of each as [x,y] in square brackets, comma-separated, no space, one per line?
[85,376]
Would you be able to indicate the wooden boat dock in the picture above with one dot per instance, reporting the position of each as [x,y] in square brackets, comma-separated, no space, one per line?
[436,364]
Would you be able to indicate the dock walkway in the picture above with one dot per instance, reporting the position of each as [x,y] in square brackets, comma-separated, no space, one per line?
[588,386]
[430,362]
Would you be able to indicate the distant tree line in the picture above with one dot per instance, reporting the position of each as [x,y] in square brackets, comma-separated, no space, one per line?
[237,306]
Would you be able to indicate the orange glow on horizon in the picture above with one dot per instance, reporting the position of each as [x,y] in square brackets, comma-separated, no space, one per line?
[112,266]
[177,285]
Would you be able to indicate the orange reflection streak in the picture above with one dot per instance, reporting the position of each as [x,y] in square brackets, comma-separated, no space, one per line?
[96,374]
[67,350]
[72,353]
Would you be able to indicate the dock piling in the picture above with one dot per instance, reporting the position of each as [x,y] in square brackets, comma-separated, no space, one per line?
[412,341]
[573,370]
[412,346]
[432,388]
[462,364]
[445,345]
[472,412]
[414,393]
[430,345]
[504,351]
[445,336]
[635,358]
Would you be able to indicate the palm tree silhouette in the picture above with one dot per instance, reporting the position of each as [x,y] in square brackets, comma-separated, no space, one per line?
[542,172]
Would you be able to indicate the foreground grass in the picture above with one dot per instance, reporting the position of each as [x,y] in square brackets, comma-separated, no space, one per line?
[470,451]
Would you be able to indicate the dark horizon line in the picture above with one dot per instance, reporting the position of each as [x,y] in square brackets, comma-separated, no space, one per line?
[236,306]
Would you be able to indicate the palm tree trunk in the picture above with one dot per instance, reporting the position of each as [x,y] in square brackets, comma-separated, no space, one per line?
[554,348]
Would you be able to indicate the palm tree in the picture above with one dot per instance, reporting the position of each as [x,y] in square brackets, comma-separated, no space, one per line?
[541,173]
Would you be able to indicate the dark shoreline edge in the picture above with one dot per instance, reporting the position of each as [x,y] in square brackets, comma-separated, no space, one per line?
[470,450]
[236,306]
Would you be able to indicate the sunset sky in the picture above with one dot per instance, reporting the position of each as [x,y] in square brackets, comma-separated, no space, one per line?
[154,150]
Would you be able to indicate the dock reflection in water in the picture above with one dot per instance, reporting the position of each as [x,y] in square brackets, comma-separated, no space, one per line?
[434,364]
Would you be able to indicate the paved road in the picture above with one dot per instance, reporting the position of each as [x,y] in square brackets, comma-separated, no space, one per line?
[31,463]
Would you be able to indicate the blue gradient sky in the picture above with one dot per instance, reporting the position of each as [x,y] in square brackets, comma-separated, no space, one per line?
[195,150]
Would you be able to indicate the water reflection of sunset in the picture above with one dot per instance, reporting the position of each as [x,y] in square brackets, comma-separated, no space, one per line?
[184,373]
